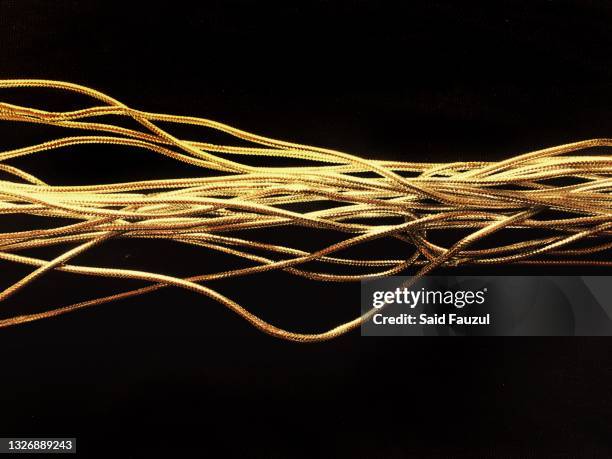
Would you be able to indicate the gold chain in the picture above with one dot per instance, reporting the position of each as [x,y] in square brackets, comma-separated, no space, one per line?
[357,197]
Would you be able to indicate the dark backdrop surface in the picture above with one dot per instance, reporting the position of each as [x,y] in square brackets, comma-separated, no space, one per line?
[177,374]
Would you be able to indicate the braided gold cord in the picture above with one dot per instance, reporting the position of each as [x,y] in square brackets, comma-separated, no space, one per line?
[563,191]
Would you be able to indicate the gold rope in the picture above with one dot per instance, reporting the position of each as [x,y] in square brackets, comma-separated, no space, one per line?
[553,190]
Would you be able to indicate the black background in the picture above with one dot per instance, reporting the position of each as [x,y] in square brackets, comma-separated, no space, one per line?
[178,374]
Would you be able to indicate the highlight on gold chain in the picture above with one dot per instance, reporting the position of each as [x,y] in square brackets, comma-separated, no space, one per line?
[561,194]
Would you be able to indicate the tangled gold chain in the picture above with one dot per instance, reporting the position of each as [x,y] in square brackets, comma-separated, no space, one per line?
[357,198]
